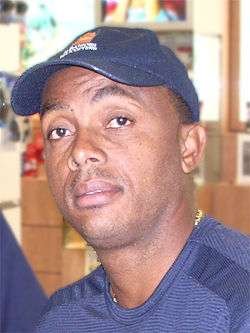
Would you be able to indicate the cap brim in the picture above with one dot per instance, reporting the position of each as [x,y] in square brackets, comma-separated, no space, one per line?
[27,92]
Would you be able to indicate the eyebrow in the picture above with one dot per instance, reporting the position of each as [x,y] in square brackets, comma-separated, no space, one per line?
[53,106]
[111,90]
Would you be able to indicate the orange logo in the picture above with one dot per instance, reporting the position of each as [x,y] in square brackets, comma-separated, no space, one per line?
[86,38]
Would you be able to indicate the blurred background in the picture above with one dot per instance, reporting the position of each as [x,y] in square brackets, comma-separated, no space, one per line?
[210,37]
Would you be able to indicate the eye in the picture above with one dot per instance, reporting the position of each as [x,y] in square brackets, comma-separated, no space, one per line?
[58,133]
[119,122]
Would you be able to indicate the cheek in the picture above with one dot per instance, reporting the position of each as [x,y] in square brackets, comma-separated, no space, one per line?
[57,172]
[154,164]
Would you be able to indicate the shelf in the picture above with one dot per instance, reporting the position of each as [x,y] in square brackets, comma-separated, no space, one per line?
[158,27]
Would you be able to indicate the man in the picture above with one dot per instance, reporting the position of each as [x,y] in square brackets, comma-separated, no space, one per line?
[119,117]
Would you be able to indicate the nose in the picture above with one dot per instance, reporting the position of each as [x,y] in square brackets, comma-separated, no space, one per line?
[86,151]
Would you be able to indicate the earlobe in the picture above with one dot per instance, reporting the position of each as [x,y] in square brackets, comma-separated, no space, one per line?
[192,144]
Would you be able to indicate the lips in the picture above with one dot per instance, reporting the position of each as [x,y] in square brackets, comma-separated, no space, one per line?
[96,193]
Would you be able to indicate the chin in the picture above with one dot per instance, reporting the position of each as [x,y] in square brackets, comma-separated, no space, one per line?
[108,243]
[103,233]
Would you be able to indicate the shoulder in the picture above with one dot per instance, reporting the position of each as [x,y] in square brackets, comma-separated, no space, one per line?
[77,291]
[68,307]
[227,242]
[222,265]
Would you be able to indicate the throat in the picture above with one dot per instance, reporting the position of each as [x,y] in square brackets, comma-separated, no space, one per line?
[137,289]
[131,283]
[134,276]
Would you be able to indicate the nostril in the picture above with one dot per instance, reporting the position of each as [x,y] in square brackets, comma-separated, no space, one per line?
[73,164]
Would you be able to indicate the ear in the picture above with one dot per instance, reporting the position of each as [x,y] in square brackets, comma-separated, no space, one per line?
[192,145]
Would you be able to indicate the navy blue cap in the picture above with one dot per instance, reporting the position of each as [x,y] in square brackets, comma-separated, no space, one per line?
[130,56]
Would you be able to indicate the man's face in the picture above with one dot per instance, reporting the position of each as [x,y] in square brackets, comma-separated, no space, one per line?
[112,156]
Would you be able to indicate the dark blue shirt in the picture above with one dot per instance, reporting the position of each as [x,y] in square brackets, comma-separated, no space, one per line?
[21,296]
[206,290]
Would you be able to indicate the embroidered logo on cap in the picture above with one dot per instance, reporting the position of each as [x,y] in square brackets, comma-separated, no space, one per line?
[85,38]
[82,43]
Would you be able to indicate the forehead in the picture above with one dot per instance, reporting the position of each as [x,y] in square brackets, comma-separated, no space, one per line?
[86,81]
[75,75]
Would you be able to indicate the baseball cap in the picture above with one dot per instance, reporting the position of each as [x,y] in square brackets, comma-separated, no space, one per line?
[129,56]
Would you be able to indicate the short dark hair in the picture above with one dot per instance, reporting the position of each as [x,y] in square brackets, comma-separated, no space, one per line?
[181,108]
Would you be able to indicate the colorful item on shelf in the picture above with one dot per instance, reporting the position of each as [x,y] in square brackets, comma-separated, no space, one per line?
[33,156]
[132,11]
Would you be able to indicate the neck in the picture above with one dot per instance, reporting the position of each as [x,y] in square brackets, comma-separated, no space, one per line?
[135,271]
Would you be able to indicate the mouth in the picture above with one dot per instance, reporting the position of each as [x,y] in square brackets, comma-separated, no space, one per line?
[96,193]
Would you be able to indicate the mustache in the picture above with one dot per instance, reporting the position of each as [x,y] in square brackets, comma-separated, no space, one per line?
[95,172]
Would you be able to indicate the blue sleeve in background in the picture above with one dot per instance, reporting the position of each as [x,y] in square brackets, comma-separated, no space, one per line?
[21,296]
